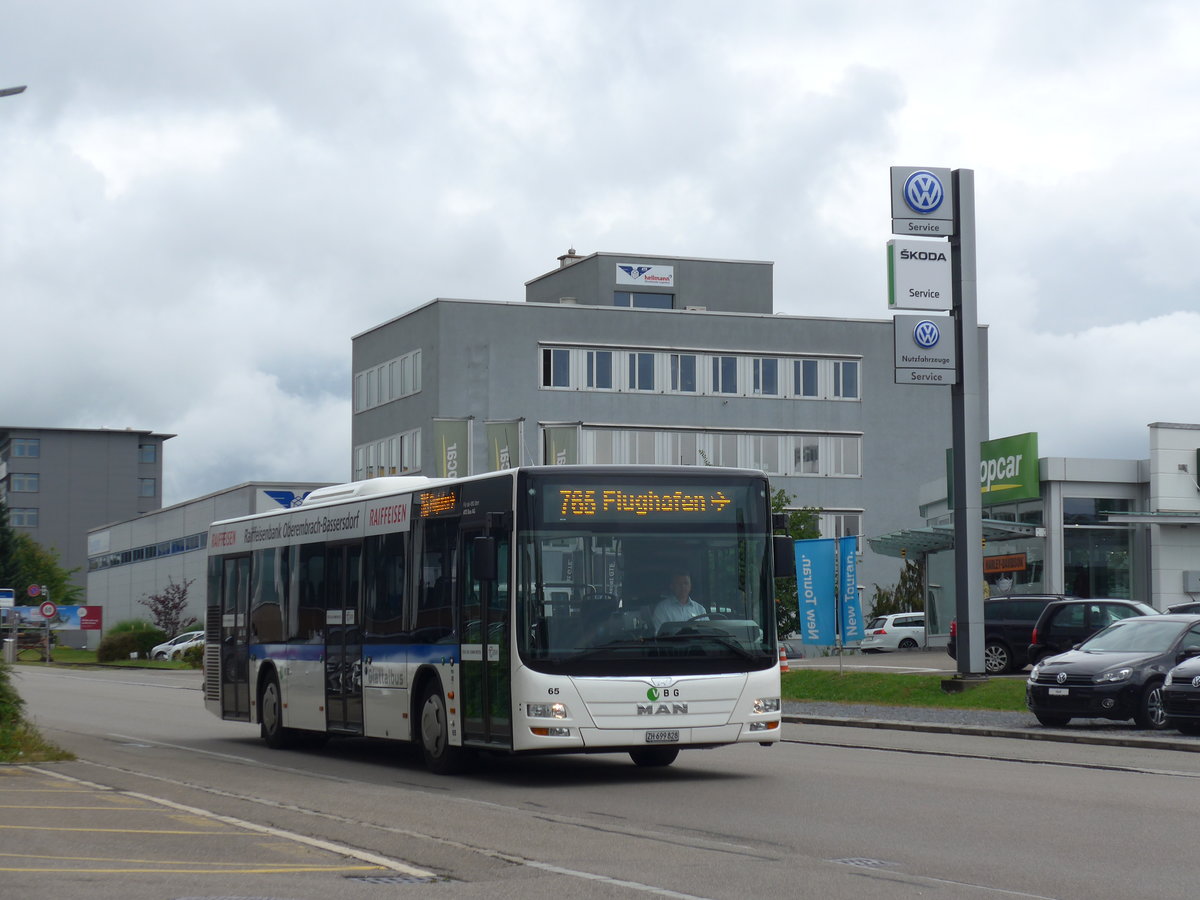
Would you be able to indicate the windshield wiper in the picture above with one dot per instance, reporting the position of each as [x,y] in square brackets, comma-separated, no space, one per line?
[722,639]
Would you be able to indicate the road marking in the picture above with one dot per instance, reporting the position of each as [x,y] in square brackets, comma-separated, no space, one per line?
[329,846]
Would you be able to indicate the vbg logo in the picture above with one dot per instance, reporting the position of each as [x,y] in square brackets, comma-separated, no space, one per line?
[927,334]
[923,192]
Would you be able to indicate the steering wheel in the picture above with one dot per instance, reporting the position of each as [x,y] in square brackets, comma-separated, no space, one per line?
[708,616]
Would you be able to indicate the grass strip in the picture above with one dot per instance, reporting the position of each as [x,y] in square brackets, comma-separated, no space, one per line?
[879,689]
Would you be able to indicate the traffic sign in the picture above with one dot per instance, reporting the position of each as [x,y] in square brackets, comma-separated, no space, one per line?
[8,597]
[34,590]
[48,610]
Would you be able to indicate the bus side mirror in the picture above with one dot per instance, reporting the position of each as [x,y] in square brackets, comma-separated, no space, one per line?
[483,559]
[785,556]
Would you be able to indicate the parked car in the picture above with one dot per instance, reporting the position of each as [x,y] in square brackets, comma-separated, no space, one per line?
[1183,608]
[176,645]
[1008,622]
[1065,623]
[899,631]
[1181,696]
[1117,673]
[793,649]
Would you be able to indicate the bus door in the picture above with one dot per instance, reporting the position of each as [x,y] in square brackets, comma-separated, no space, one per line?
[485,679]
[235,649]
[343,639]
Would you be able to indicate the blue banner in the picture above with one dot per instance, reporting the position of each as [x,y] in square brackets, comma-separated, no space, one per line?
[815,590]
[851,605]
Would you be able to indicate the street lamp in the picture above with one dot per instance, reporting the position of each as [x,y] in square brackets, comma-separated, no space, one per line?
[8,92]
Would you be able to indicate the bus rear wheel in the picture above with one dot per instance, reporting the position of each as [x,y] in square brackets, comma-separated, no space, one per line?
[434,722]
[654,756]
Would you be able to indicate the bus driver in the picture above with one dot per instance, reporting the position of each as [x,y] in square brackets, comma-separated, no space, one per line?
[679,607]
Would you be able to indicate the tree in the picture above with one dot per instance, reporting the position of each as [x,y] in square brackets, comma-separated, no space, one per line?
[9,576]
[166,608]
[800,525]
[907,595]
[40,565]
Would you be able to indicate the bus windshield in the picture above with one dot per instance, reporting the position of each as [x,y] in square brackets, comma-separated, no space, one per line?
[645,578]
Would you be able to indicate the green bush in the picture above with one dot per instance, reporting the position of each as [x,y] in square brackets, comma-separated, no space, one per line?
[11,704]
[130,636]
[194,656]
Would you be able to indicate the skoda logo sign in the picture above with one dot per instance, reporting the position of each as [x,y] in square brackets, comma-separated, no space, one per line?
[923,192]
[1061,678]
[927,334]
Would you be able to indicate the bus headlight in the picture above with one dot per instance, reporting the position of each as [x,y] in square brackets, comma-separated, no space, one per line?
[546,710]
[766,705]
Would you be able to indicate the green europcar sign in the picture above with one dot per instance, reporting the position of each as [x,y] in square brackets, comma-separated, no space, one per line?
[1008,470]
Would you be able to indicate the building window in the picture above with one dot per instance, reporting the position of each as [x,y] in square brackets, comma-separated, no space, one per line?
[398,454]
[643,300]
[805,378]
[147,453]
[641,371]
[845,456]
[841,524]
[807,455]
[766,377]
[26,448]
[23,518]
[147,487]
[23,482]
[845,379]
[600,370]
[724,372]
[556,367]
[388,381]
[683,373]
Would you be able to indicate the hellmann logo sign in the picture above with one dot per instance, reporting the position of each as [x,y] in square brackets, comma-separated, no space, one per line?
[1008,470]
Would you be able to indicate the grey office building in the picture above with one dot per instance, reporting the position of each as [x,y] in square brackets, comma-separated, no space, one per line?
[59,482]
[627,358]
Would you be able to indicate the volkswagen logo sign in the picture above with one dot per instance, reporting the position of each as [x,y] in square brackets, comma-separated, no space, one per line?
[927,334]
[1196,682]
[1061,678]
[923,192]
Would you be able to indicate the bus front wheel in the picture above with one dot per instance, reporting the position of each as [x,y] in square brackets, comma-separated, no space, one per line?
[270,716]
[440,757]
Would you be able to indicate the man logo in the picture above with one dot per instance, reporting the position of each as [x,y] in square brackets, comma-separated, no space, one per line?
[923,192]
[927,334]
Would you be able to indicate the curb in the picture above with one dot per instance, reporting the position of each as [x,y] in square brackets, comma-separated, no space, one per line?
[1048,734]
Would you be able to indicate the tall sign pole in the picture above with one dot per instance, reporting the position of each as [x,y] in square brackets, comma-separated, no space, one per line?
[966,411]
[935,210]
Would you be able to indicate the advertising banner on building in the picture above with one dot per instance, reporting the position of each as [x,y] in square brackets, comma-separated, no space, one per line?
[560,445]
[451,447]
[1008,470]
[851,606]
[815,590]
[503,444]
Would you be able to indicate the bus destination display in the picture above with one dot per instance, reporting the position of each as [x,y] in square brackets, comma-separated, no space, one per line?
[565,504]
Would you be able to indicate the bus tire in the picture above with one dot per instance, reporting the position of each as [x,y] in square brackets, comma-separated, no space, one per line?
[270,715]
[434,725]
[654,757]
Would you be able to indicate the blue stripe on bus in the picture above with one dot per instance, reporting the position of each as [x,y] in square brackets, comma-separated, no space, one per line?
[414,654]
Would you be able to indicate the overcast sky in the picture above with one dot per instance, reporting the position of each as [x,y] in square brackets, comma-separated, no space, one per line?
[200,203]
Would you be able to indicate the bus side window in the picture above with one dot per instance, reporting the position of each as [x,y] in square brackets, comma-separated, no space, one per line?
[386,569]
[435,593]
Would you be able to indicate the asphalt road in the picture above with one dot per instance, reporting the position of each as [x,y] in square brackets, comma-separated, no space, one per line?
[168,801]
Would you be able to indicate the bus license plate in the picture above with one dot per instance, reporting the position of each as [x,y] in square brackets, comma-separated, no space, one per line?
[662,737]
[1059,692]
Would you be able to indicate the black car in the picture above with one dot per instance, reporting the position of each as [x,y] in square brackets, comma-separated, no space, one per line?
[1115,674]
[1065,623]
[1183,608]
[1008,622]
[1181,696]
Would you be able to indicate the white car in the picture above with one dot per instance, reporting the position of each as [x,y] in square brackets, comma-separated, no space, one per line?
[899,631]
[176,645]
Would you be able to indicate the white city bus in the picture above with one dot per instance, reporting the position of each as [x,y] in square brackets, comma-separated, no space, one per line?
[512,612]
